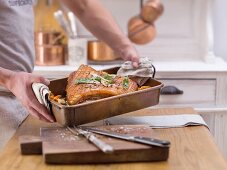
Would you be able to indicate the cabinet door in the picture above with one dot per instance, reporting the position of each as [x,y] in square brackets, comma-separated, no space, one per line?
[188,92]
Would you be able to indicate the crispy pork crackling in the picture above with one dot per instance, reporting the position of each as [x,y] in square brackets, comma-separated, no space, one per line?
[88,84]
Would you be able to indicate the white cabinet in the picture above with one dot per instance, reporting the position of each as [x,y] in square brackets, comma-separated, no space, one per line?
[194,92]
[204,87]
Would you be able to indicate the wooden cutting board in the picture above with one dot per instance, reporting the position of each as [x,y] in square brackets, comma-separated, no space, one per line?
[59,146]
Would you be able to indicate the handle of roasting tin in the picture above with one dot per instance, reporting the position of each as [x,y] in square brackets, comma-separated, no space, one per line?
[154,70]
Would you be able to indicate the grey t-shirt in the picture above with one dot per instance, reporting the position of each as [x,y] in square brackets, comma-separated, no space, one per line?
[17,35]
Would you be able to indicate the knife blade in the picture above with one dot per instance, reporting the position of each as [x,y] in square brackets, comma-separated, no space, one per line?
[138,139]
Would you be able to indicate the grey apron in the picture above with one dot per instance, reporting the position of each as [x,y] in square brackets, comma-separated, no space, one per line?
[17,54]
[12,113]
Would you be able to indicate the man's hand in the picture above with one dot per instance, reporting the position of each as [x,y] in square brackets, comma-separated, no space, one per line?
[20,84]
[130,54]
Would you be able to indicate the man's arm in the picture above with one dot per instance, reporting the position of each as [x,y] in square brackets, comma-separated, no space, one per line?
[4,76]
[100,22]
[19,83]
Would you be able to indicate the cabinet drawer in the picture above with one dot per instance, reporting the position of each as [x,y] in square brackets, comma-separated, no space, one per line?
[196,92]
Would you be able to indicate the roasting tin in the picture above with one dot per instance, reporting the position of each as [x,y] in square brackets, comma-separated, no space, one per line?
[103,108]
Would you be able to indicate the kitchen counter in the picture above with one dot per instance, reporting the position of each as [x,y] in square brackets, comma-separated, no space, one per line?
[191,148]
[170,67]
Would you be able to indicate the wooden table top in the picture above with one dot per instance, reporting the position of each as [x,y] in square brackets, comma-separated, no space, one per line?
[192,148]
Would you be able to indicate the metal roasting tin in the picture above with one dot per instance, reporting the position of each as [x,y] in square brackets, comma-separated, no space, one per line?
[103,108]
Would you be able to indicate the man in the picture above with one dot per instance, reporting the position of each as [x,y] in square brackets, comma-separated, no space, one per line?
[17,56]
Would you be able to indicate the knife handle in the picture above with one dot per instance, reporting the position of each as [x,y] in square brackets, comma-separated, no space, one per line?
[151,141]
[106,148]
[100,144]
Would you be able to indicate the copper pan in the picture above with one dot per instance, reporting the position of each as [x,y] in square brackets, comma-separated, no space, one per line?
[100,51]
[48,37]
[50,55]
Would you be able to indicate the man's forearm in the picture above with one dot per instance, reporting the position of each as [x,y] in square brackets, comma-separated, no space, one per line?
[99,21]
[5,76]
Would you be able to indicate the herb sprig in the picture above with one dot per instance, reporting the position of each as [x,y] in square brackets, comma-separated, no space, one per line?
[105,80]
[86,81]
[125,82]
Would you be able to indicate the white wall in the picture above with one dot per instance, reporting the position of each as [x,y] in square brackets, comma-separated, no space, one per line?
[220,28]
[123,10]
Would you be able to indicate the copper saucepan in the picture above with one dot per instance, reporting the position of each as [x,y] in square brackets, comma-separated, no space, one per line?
[49,48]
[50,55]
[48,37]
[100,51]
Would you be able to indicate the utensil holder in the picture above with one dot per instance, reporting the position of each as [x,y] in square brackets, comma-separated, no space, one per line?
[77,51]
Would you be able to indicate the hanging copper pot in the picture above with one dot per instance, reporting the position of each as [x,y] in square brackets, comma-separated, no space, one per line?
[140,32]
[151,11]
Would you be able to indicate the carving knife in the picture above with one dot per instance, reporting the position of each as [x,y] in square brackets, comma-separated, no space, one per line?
[138,139]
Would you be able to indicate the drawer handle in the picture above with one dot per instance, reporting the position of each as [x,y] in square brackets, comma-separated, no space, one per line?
[171,90]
